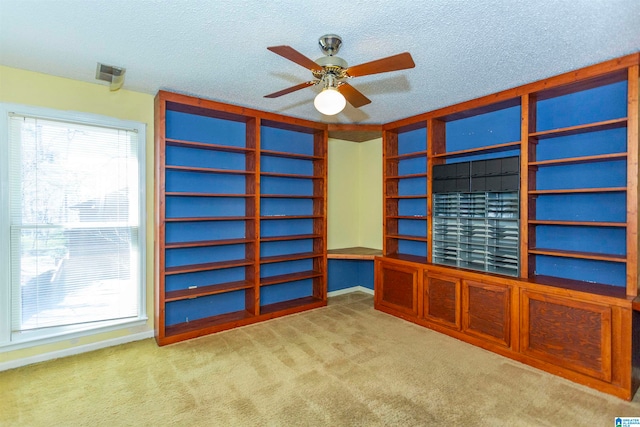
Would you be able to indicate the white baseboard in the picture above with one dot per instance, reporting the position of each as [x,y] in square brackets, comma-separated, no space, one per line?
[74,350]
[349,290]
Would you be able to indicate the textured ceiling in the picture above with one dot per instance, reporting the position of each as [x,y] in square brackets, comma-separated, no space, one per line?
[216,49]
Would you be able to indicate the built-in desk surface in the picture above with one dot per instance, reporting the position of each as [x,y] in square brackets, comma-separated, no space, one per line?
[357,252]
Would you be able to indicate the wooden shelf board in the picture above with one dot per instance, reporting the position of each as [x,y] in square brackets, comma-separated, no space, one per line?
[415,196]
[208,170]
[579,160]
[290,155]
[207,266]
[578,285]
[578,223]
[290,175]
[481,150]
[292,217]
[409,258]
[207,290]
[291,237]
[408,237]
[355,253]
[209,218]
[190,194]
[207,322]
[408,176]
[581,190]
[289,257]
[289,196]
[292,305]
[200,243]
[574,130]
[408,155]
[204,146]
[580,255]
[291,277]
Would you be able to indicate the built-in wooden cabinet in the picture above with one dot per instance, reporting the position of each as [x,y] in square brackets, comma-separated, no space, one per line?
[399,287]
[553,284]
[568,333]
[442,299]
[240,214]
[486,309]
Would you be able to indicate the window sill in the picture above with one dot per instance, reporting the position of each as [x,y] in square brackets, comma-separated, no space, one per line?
[24,340]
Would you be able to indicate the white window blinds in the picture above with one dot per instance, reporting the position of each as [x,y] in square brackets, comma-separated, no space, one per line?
[74,223]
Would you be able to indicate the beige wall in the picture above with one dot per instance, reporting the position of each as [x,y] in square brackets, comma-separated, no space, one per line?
[355,194]
[35,89]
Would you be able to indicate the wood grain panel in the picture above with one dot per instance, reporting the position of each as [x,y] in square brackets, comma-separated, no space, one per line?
[442,299]
[397,287]
[486,311]
[568,333]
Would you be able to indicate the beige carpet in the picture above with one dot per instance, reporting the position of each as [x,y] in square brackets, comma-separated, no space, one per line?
[342,365]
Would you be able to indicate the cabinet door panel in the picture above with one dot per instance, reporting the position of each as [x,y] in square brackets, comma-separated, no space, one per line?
[397,287]
[572,334]
[441,299]
[486,311]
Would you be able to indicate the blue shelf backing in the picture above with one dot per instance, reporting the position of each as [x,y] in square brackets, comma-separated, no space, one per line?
[202,129]
[288,141]
[188,310]
[199,158]
[413,227]
[204,207]
[583,175]
[276,164]
[198,231]
[602,103]
[412,141]
[201,255]
[603,240]
[412,165]
[493,128]
[285,227]
[197,182]
[289,186]
[412,207]
[604,272]
[284,206]
[608,141]
[286,291]
[286,267]
[286,247]
[412,186]
[609,207]
[176,282]
[412,247]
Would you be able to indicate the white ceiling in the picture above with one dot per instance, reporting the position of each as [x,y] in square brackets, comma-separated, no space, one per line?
[216,49]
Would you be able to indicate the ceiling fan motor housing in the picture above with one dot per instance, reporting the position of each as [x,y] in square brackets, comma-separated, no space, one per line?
[330,44]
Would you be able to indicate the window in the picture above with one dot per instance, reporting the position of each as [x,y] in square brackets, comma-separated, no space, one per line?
[72,234]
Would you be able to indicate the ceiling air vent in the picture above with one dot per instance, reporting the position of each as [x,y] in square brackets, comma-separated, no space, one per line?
[113,75]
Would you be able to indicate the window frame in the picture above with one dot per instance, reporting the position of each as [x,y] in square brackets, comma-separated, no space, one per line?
[10,341]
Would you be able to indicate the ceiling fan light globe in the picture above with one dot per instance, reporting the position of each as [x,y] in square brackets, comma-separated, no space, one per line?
[329,102]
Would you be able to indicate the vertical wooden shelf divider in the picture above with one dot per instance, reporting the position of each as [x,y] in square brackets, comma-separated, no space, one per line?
[253,210]
[437,134]
[390,206]
[633,219]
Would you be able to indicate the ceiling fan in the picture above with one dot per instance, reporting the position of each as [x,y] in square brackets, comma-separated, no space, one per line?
[331,72]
